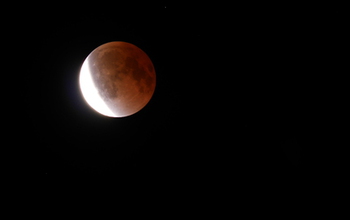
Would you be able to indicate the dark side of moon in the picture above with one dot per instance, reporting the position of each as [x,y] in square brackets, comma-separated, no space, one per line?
[123,75]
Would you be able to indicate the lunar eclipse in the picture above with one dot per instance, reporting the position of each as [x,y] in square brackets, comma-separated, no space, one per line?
[117,79]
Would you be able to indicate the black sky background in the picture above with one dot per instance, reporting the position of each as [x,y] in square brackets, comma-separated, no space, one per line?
[233,89]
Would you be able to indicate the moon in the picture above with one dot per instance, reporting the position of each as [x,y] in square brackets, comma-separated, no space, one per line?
[117,79]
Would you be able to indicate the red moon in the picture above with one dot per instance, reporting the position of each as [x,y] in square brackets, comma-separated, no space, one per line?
[117,79]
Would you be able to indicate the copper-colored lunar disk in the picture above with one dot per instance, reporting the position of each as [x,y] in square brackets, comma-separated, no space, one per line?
[117,79]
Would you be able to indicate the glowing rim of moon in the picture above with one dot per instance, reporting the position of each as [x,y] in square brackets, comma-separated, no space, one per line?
[90,92]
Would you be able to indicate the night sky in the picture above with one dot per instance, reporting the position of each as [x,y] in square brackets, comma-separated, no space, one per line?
[232,99]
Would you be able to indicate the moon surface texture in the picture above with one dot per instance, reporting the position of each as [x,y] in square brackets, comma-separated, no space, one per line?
[117,79]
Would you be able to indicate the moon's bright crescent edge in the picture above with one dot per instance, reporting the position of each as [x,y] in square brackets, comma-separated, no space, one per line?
[90,91]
